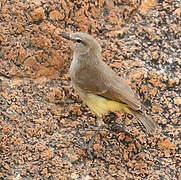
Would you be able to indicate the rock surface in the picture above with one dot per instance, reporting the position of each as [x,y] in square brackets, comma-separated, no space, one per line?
[42,121]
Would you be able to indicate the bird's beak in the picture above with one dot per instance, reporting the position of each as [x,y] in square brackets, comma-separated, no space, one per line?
[66,36]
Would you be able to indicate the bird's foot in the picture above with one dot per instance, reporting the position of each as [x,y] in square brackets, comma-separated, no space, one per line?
[84,146]
[88,146]
[116,127]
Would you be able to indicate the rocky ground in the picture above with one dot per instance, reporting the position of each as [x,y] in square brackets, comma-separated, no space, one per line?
[42,121]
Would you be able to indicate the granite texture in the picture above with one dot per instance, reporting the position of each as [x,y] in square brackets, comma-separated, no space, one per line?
[42,121]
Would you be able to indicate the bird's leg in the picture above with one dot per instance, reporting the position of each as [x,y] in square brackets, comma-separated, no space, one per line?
[119,128]
[88,146]
[116,127]
[91,142]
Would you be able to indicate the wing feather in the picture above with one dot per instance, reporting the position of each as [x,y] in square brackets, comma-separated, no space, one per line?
[103,81]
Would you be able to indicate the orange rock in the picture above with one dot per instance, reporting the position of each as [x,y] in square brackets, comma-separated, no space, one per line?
[131,147]
[138,74]
[154,91]
[74,157]
[166,144]
[47,154]
[155,55]
[30,132]
[20,29]
[147,5]
[45,173]
[97,147]
[144,89]
[41,42]
[173,82]
[157,109]
[56,15]
[112,167]
[177,12]
[177,101]
[167,153]
[125,155]
[95,11]
[7,130]
[38,14]
[89,134]
[130,164]
[75,175]
[103,133]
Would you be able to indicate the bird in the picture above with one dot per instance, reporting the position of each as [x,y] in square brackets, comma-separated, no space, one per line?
[99,86]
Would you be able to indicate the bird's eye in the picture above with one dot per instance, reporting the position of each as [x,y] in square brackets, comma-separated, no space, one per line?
[78,41]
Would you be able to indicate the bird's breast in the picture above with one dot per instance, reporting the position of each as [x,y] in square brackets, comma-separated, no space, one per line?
[74,68]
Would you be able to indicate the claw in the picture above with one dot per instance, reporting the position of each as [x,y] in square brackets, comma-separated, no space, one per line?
[88,146]
[120,128]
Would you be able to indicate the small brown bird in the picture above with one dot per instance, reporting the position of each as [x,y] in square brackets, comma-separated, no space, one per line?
[99,87]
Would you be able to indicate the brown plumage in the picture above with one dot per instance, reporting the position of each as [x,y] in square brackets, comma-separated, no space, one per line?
[98,85]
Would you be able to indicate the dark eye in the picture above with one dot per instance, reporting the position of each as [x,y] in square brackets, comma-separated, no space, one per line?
[78,41]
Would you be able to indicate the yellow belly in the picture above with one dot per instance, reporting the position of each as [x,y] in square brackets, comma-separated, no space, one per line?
[100,105]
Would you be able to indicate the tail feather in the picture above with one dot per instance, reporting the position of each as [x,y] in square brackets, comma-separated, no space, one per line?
[149,123]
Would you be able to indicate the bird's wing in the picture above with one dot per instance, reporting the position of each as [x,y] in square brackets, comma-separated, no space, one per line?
[106,84]
[120,91]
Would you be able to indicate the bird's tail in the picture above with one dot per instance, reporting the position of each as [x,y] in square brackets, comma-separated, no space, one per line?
[149,123]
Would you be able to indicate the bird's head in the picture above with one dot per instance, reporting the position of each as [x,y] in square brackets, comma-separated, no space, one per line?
[83,44]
